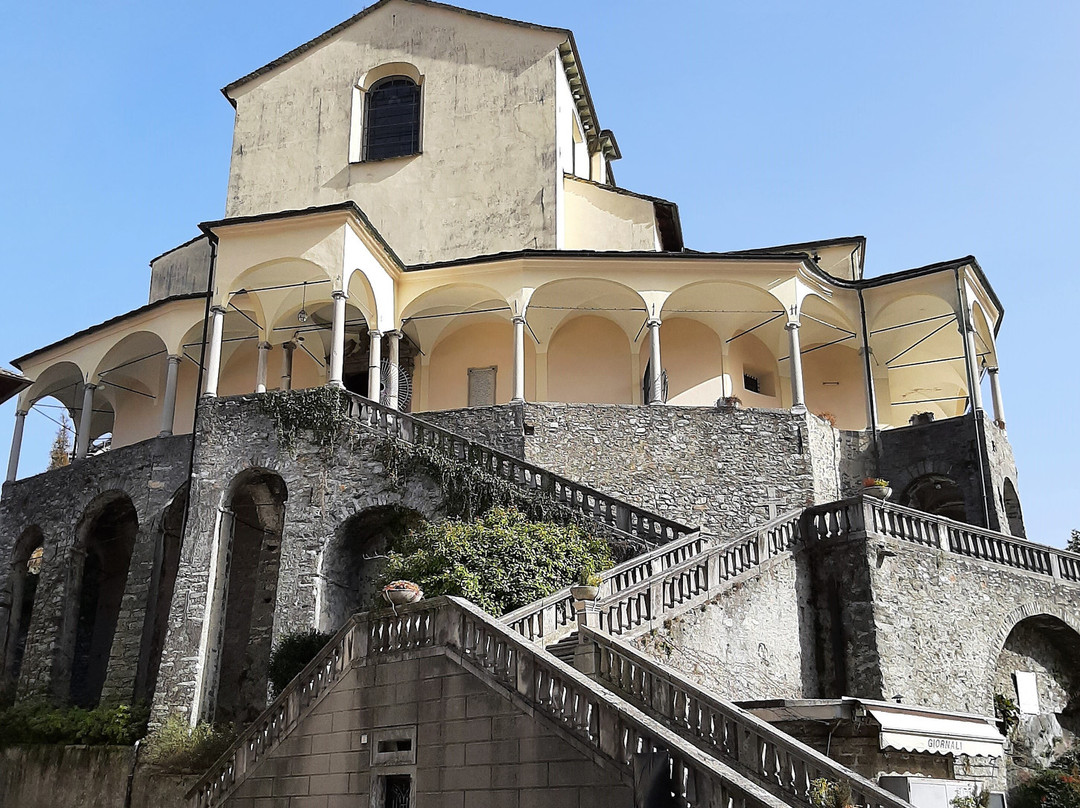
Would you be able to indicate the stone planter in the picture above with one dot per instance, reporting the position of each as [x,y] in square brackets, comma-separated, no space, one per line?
[877,491]
[399,593]
[584,593]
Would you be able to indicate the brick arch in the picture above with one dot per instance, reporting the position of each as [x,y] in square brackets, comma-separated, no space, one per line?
[1014,617]
[921,469]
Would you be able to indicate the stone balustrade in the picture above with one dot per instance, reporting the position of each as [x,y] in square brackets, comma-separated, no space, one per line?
[615,514]
[586,710]
[868,515]
[786,766]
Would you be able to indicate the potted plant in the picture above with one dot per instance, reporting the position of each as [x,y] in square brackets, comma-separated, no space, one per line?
[876,487]
[398,593]
[729,403]
[588,585]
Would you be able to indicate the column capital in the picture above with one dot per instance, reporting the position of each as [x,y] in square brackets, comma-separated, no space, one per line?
[375,333]
[217,309]
[265,346]
[393,333]
[21,413]
[653,322]
[992,369]
[176,359]
[791,325]
[518,318]
[89,386]
[339,294]
[288,345]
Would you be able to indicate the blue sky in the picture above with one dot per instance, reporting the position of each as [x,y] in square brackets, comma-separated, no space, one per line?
[934,129]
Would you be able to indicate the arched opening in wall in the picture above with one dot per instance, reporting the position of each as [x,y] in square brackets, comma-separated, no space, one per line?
[254,519]
[1012,509]
[159,598]
[26,567]
[355,558]
[1039,667]
[936,494]
[106,537]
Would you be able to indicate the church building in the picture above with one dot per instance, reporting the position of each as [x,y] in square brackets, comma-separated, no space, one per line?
[425,252]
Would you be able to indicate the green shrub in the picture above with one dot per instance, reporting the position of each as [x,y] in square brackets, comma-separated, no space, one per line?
[500,561]
[825,793]
[38,721]
[293,654]
[178,746]
[1057,786]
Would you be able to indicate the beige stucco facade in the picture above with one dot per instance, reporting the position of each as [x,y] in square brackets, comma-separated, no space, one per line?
[499,263]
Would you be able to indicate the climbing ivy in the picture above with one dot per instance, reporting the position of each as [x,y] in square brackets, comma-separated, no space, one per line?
[320,411]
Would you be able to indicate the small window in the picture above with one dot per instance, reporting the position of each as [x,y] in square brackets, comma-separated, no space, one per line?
[392,119]
[397,791]
[752,384]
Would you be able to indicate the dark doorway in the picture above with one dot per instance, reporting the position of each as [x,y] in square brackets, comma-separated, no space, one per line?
[108,539]
[255,518]
[936,494]
[26,568]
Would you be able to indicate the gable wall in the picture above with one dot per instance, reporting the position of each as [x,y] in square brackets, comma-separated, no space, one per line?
[486,180]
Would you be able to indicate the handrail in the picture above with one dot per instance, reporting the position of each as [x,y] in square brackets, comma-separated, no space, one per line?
[280,718]
[871,515]
[586,710]
[696,579]
[612,512]
[547,620]
[724,730]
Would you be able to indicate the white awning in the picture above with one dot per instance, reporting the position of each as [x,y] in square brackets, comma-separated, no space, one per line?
[912,730]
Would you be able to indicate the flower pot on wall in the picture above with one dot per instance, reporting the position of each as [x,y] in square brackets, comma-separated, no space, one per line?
[399,593]
[878,491]
[584,592]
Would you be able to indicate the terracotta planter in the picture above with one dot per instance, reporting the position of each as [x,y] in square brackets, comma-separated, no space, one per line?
[400,593]
[584,592]
[878,491]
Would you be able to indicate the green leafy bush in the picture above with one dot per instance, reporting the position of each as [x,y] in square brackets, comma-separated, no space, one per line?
[178,746]
[500,561]
[42,722]
[293,654]
[1057,786]
[825,793]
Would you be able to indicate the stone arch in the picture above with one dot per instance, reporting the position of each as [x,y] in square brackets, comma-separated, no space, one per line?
[104,541]
[1044,639]
[25,574]
[253,518]
[168,534]
[936,494]
[354,558]
[1013,512]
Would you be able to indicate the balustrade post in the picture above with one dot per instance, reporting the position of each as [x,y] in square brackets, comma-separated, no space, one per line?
[448,630]
[713,570]
[656,599]
[585,654]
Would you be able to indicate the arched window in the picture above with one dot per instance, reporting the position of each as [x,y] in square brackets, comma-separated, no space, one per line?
[392,118]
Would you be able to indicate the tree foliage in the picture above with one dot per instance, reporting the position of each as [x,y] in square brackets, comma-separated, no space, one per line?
[293,654]
[1073,545]
[41,722]
[60,451]
[500,561]
[1057,786]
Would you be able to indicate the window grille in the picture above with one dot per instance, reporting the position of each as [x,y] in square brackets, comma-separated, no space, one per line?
[392,119]
[752,384]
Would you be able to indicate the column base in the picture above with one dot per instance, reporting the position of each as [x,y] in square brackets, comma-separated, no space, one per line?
[799,409]
[165,433]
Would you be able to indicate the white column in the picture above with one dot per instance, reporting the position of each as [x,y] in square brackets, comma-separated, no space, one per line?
[798,397]
[374,366]
[260,368]
[519,360]
[286,364]
[995,394]
[16,446]
[393,345]
[337,340]
[973,363]
[656,369]
[213,359]
[168,408]
[82,437]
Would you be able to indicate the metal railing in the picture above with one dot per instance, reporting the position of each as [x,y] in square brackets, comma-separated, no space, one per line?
[786,766]
[613,513]
[578,706]
[865,514]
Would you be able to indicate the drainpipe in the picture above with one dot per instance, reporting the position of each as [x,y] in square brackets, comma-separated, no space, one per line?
[868,369]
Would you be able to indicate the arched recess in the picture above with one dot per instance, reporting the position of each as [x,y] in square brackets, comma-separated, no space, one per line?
[589,362]
[105,539]
[252,524]
[748,323]
[167,541]
[1044,647]
[26,567]
[834,382]
[355,558]
[131,376]
[1013,513]
[692,356]
[936,494]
